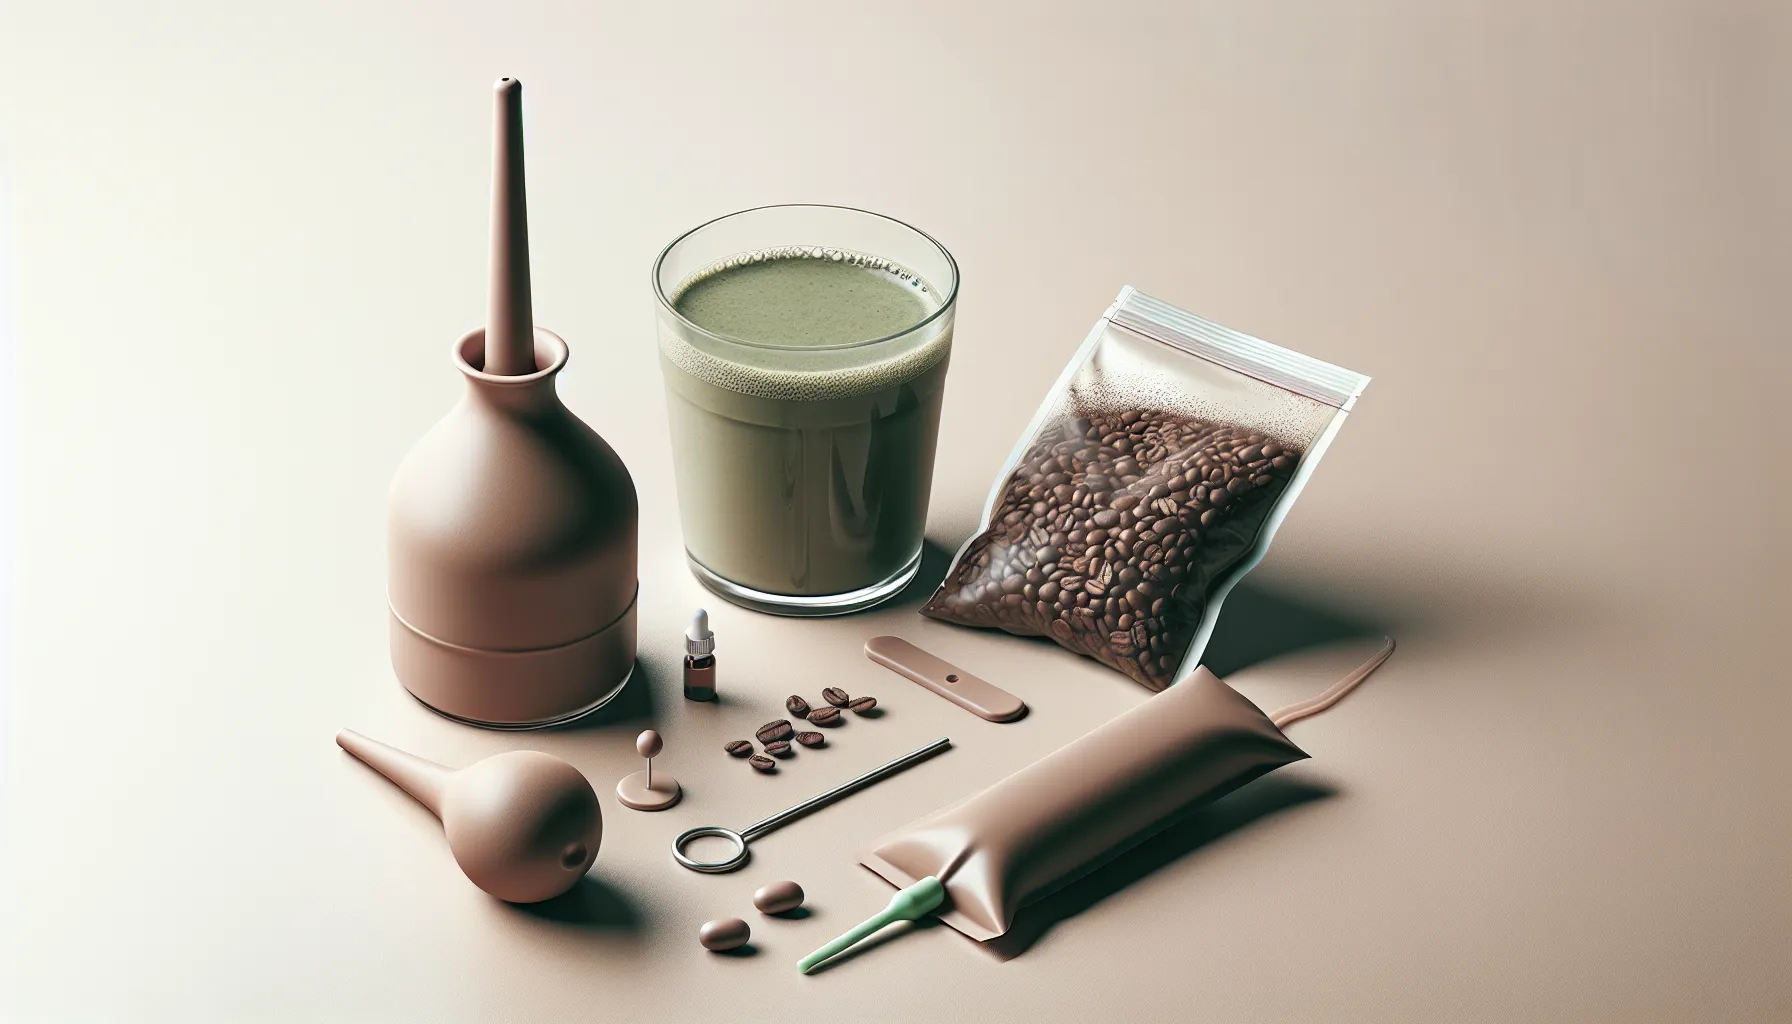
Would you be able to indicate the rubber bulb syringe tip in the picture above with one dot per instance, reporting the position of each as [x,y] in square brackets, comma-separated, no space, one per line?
[699,626]
[910,904]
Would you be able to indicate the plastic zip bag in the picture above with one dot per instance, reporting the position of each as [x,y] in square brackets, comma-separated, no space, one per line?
[1151,479]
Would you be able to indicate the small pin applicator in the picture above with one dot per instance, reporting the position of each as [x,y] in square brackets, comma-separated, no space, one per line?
[910,904]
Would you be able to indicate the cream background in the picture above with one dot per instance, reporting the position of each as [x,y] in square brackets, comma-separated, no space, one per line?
[241,237]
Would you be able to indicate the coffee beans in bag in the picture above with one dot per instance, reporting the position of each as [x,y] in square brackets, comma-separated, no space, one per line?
[1150,481]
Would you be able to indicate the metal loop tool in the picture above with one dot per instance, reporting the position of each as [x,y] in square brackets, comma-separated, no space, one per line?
[754,831]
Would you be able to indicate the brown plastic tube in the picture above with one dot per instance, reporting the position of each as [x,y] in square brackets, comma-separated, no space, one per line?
[509,310]
[1085,803]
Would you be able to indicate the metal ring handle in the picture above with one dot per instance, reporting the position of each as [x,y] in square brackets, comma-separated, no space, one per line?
[710,867]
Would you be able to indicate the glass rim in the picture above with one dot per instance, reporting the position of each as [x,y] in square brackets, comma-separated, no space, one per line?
[665,302]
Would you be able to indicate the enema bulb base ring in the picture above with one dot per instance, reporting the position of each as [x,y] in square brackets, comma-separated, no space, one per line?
[515,690]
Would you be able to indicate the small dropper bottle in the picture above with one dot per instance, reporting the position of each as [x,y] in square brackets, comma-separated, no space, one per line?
[699,659]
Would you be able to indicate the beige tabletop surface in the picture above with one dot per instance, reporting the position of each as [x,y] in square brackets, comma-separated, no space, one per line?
[240,237]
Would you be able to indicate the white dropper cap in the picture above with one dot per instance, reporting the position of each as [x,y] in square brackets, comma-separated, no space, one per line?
[698,640]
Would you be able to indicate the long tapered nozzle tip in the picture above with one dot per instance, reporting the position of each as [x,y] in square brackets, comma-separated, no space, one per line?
[509,313]
[909,904]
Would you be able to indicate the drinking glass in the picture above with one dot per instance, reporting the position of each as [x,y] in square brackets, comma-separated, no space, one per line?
[804,463]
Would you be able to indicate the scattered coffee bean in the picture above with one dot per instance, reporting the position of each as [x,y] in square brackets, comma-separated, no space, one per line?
[1150,509]
[860,705]
[825,717]
[797,706]
[728,933]
[778,898]
[778,748]
[739,748]
[772,732]
[811,739]
[762,763]
[836,696]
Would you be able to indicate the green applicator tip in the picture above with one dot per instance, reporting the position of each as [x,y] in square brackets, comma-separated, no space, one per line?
[910,904]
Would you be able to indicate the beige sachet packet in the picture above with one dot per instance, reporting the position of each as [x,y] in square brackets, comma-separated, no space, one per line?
[1093,799]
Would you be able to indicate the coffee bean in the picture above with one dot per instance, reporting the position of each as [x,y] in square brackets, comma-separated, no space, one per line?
[728,933]
[860,705]
[772,732]
[797,706]
[825,717]
[738,748]
[838,697]
[811,739]
[762,763]
[778,898]
[779,748]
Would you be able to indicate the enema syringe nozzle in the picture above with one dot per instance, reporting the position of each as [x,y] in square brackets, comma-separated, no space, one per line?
[910,904]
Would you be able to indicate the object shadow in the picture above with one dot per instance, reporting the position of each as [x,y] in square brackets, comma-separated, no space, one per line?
[935,560]
[739,952]
[589,904]
[1208,824]
[633,704]
[1258,624]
